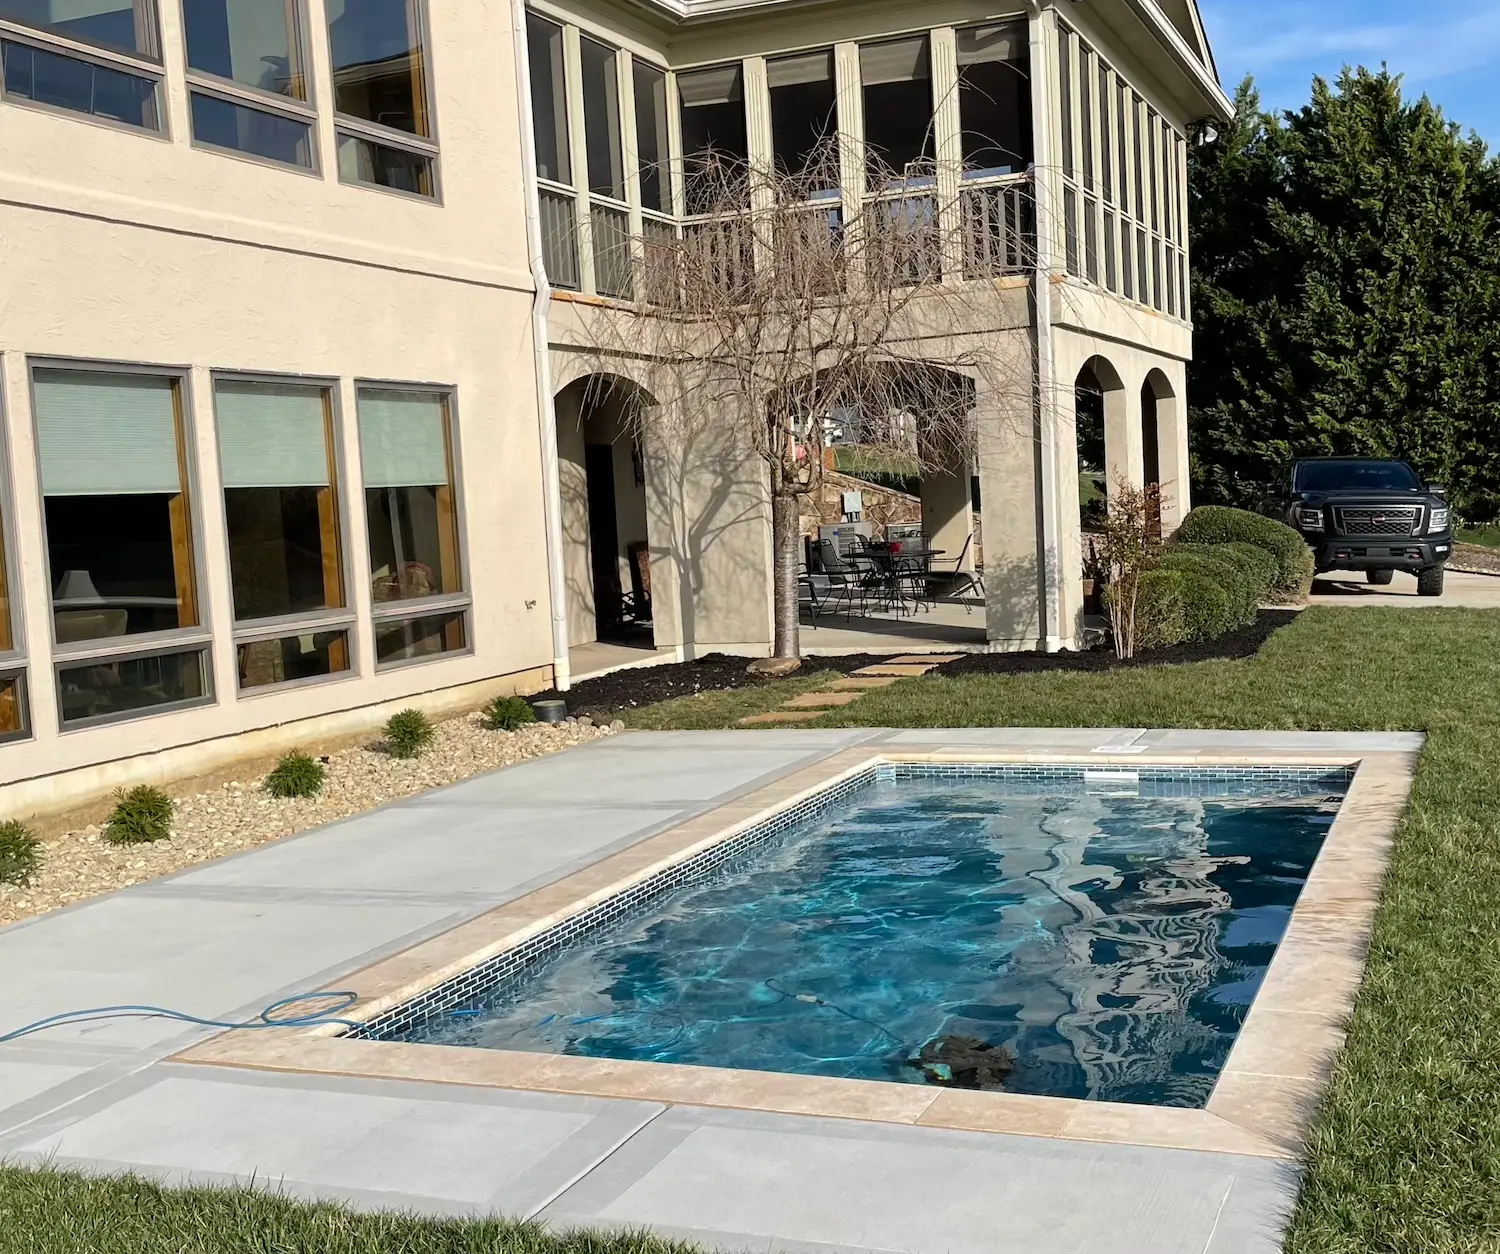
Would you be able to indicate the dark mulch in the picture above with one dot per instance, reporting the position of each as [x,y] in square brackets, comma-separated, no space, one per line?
[713,672]
[1245,642]
[716,672]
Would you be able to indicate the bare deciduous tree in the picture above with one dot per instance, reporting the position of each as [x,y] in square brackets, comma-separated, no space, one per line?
[773,317]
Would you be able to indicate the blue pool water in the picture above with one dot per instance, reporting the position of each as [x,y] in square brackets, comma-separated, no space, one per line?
[1111,944]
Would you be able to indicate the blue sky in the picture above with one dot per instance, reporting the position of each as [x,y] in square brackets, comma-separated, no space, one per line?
[1449,49]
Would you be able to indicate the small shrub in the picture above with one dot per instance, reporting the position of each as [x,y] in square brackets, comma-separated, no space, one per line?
[1218,524]
[1216,562]
[20,853]
[1160,619]
[1207,609]
[508,714]
[296,774]
[409,733]
[1257,562]
[141,815]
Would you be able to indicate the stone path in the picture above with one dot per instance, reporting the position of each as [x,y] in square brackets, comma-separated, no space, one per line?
[846,691]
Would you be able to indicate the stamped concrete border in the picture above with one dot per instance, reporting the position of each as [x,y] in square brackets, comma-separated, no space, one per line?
[1260,1106]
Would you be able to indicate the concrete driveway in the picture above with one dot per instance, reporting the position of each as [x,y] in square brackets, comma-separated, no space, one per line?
[1481,592]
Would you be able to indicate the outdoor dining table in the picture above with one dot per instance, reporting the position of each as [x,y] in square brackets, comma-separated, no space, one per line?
[895,562]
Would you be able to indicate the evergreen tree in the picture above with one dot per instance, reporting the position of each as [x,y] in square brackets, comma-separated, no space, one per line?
[1347,287]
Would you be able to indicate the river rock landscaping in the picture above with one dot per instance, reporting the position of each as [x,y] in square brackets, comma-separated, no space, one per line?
[239,814]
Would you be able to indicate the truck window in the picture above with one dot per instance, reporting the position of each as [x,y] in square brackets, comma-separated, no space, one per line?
[1341,476]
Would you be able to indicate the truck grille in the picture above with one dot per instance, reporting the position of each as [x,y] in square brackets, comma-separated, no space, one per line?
[1397,520]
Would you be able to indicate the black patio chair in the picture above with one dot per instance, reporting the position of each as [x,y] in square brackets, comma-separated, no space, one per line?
[957,578]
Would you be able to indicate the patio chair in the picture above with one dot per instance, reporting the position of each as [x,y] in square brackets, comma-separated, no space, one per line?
[958,579]
[852,575]
[818,594]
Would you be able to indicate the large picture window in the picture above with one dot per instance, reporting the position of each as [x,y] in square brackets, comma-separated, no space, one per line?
[52,64]
[549,99]
[651,143]
[406,443]
[382,93]
[804,118]
[281,515]
[119,530]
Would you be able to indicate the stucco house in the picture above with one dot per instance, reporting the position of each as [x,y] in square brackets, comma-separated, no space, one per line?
[299,413]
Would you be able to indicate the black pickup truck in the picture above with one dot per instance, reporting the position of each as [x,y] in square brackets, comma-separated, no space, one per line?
[1374,516]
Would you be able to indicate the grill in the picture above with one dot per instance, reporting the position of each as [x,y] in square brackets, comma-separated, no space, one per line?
[1397,520]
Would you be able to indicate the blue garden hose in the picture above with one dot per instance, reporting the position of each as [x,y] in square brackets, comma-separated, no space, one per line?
[266,1019]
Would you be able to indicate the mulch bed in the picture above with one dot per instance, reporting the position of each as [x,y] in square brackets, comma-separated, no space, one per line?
[608,695]
[1245,642]
[1475,559]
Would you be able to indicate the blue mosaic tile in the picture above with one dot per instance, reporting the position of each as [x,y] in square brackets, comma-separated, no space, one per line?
[493,980]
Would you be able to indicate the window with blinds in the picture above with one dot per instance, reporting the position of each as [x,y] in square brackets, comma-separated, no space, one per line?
[994,98]
[715,142]
[119,534]
[804,117]
[119,531]
[406,451]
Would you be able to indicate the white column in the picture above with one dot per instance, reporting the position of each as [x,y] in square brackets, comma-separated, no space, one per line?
[948,144]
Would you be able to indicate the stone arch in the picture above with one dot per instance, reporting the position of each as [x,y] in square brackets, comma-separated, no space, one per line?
[602,482]
[1099,402]
[1164,445]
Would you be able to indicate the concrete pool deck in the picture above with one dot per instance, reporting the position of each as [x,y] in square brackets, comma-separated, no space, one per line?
[227,938]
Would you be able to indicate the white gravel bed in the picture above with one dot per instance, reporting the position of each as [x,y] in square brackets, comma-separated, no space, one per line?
[241,814]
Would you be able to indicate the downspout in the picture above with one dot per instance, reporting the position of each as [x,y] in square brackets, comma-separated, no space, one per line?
[546,414]
[1046,382]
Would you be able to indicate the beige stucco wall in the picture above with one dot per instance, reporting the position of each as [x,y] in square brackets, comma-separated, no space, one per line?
[118,247]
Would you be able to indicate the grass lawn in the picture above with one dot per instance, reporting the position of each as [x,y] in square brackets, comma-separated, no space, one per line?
[49,1212]
[1489,536]
[1405,1158]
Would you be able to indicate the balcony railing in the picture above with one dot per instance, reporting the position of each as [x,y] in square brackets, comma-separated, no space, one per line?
[610,229]
[559,238]
[999,228]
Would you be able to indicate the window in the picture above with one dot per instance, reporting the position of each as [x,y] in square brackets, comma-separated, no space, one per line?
[1106,136]
[1070,230]
[715,146]
[994,98]
[119,541]
[13,721]
[1139,169]
[549,99]
[1153,168]
[1065,94]
[281,515]
[382,95]
[1086,114]
[651,145]
[804,117]
[221,123]
[245,63]
[1111,262]
[54,66]
[896,87]
[1091,239]
[405,444]
[601,119]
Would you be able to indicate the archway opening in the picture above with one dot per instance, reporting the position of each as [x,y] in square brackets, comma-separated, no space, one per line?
[606,560]
[1158,434]
[1097,396]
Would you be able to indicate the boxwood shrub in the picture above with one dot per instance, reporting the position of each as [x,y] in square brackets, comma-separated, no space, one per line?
[1219,524]
[1160,618]
[1242,585]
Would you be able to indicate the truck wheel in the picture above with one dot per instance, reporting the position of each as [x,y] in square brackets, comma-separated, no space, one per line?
[1430,582]
[1380,577]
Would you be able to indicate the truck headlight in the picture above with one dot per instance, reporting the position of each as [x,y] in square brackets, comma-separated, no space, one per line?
[1310,519]
[1438,523]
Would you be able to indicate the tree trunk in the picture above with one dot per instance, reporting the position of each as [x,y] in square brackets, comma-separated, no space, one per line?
[786,551]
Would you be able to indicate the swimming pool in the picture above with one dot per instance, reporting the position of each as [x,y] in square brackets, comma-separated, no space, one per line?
[1055,930]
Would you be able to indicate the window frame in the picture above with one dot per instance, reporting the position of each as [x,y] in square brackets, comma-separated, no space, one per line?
[343,618]
[13,659]
[199,638]
[150,68]
[388,136]
[462,601]
[201,82]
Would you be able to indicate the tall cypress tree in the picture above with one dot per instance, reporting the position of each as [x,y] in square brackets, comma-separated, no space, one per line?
[1347,289]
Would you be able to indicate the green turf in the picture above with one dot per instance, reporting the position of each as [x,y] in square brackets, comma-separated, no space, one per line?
[52,1212]
[1489,536]
[724,709]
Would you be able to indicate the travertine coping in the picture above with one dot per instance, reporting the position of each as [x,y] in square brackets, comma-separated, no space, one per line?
[1261,1104]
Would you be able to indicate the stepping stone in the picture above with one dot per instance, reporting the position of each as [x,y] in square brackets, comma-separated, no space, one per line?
[817,700]
[780,716]
[896,670]
[925,659]
[861,685]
